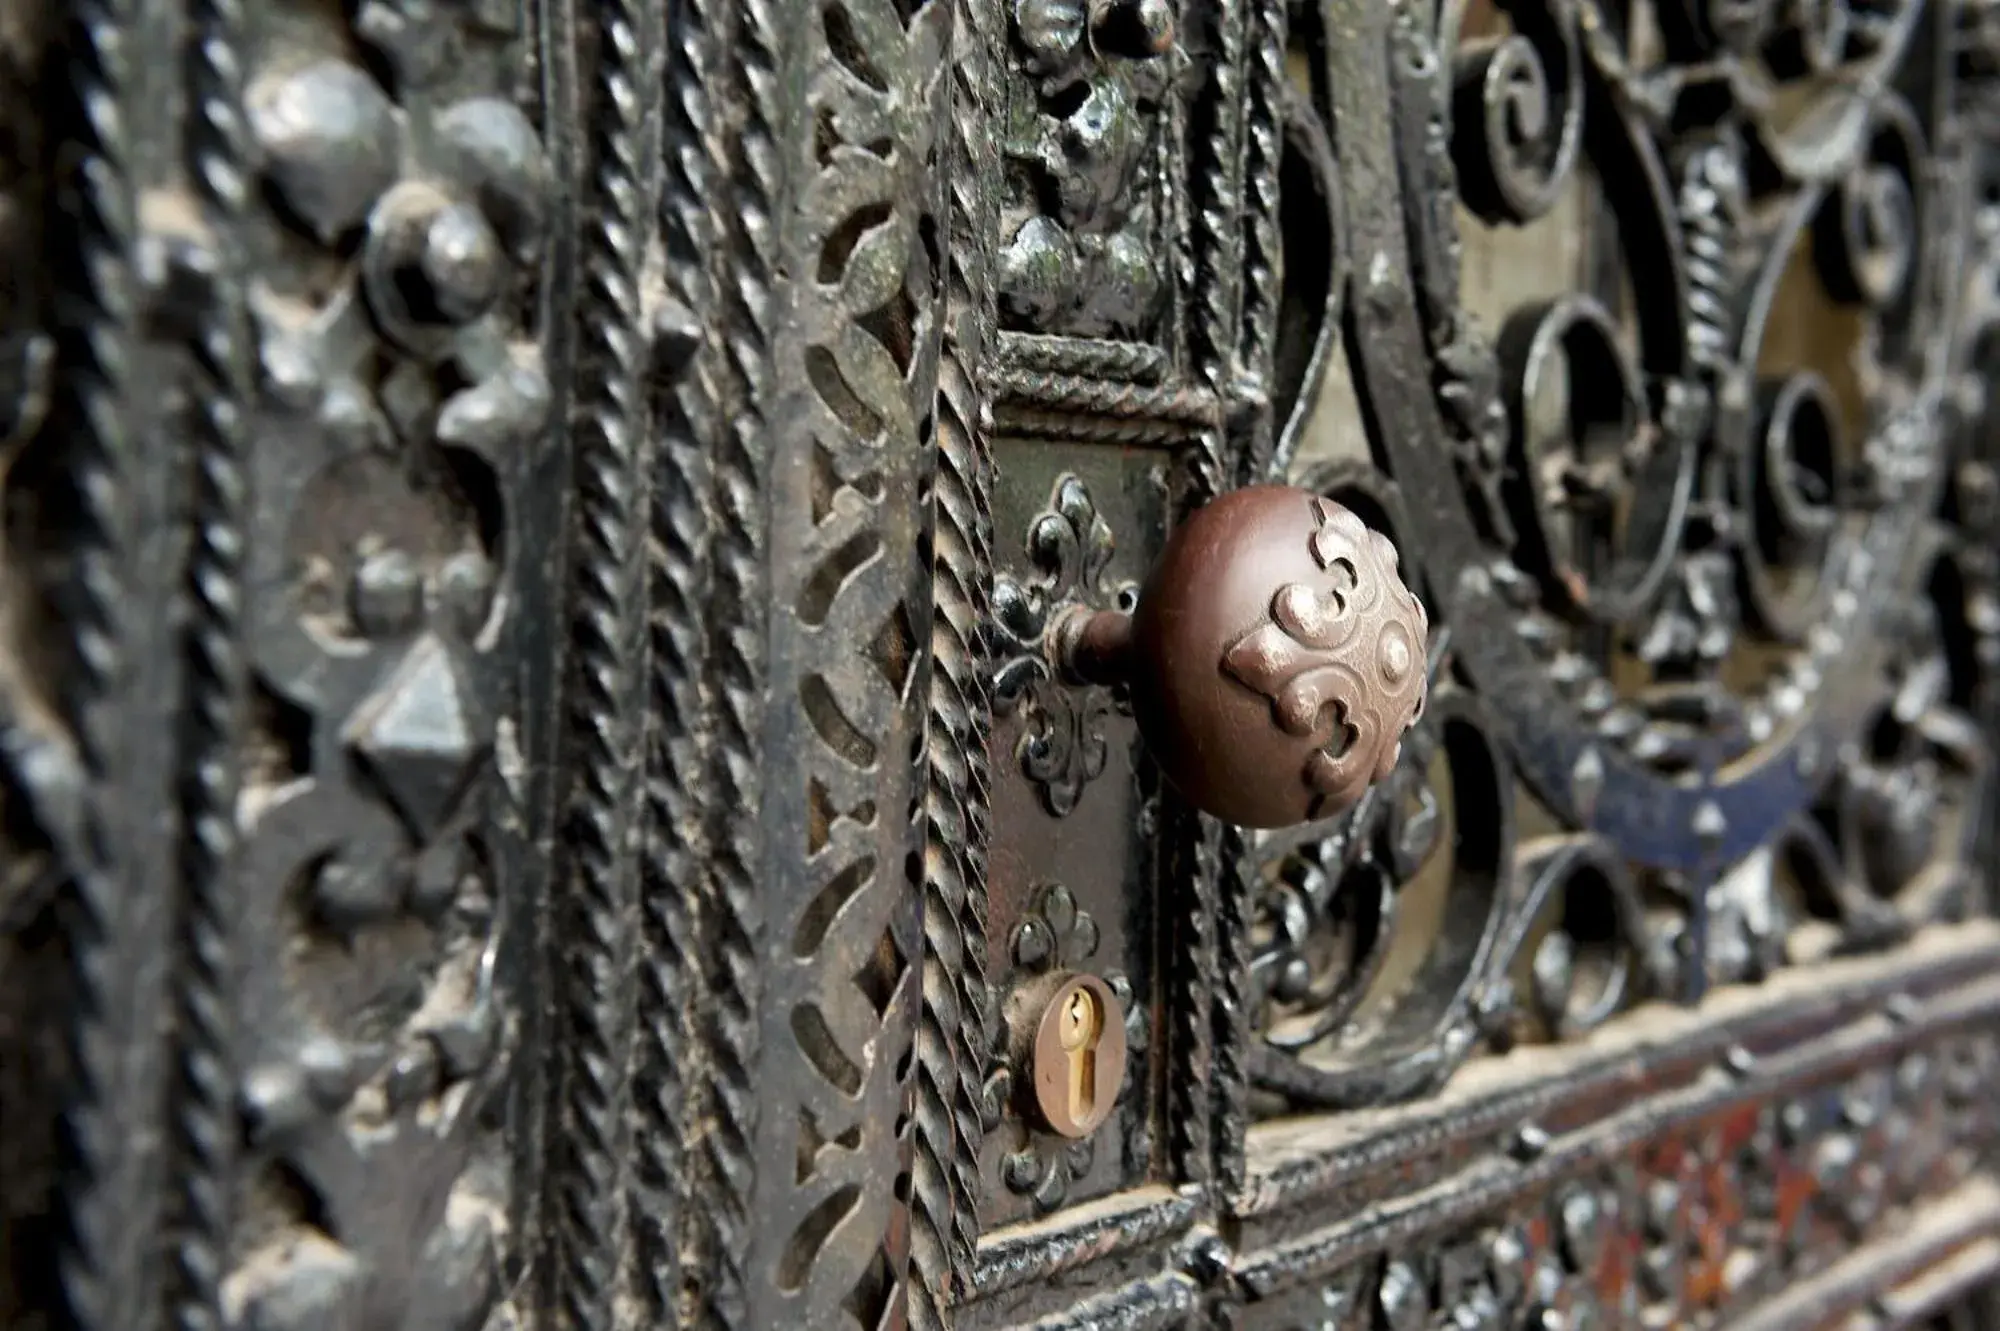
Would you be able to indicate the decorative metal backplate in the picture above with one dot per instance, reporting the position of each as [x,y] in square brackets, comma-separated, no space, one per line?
[535,786]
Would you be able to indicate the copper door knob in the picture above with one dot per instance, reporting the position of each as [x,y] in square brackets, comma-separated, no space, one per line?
[1274,660]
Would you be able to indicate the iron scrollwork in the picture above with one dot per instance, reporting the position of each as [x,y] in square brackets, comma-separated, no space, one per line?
[1679,538]
[502,625]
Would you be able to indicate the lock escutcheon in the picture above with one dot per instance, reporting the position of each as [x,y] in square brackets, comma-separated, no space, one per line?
[1078,1056]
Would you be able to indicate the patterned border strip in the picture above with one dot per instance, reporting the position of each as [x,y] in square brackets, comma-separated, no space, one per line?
[1296,1163]
[1123,402]
[952,1029]
[1122,362]
[1493,1183]
[609,691]
[1929,1292]
[114,438]
[215,686]
[1157,1304]
[1934,1234]
[1036,423]
[1112,1227]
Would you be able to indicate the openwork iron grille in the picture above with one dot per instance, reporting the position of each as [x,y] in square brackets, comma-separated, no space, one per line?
[537,786]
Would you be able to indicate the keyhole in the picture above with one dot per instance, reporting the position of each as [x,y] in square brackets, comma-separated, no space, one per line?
[1082,1026]
[1079,1055]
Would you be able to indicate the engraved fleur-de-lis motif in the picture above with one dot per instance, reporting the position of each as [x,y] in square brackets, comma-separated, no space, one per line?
[1343,653]
[1063,745]
[1070,545]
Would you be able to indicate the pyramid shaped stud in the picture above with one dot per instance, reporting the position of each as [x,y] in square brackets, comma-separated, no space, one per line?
[420,735]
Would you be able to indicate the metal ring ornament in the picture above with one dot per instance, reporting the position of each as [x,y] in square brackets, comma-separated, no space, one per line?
[1868,233]
[1517,110]
[1612,448]
[1791,486]
[1584,915]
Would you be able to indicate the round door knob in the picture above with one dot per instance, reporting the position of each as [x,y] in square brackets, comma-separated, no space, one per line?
[1275,658]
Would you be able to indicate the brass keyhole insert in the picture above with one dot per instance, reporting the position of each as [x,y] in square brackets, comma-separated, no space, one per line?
[1079,1055]
[1082,1027]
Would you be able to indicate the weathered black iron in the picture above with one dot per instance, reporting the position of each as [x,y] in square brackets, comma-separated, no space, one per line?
[542,786]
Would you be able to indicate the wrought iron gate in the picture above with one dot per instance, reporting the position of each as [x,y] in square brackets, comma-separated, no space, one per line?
[550,777]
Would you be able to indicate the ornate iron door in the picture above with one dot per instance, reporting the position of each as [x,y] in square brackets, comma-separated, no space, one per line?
[573,757]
